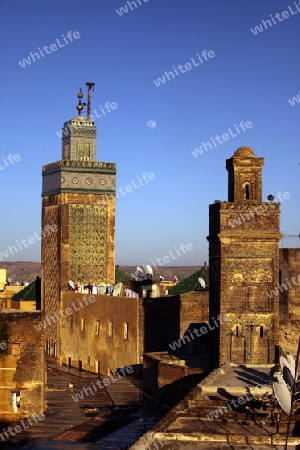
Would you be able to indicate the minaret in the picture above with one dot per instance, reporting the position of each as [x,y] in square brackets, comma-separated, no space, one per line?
[78,217]
[244,267]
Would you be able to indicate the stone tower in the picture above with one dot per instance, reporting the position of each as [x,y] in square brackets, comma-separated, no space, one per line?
[78,219]
[244,266]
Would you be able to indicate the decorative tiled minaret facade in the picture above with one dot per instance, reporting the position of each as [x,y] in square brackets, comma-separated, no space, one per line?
[244,266]
[78,220]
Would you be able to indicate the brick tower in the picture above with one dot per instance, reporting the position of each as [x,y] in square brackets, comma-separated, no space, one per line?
[244,266]
[78,218]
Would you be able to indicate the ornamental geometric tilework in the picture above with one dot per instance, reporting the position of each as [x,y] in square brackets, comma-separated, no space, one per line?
[88,243]
[50,260]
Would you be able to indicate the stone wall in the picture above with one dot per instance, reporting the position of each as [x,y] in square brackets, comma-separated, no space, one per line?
[22,365]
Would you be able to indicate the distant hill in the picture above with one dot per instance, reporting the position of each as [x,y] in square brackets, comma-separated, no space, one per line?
[24,271]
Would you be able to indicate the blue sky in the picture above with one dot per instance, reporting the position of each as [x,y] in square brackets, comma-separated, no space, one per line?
[250,78]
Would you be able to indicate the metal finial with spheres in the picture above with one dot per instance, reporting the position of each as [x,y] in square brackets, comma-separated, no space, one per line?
[80,105]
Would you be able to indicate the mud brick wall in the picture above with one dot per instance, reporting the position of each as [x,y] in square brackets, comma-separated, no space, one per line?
[22,365]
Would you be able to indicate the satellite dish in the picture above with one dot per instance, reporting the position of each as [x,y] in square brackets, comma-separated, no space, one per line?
[140,272]
[288,378]
[149,270]
[202,282]
[292,362]
[161,278]
[282,393]
[289,362]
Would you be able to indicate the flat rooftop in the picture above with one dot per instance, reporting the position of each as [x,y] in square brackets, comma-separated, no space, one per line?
[220,413]
[238,379]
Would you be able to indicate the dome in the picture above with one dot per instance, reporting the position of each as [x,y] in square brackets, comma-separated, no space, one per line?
[245,152]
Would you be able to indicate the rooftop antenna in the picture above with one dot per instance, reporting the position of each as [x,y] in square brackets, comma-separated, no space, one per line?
[90,86]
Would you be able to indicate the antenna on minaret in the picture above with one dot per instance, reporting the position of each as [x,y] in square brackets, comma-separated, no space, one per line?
[90,86]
